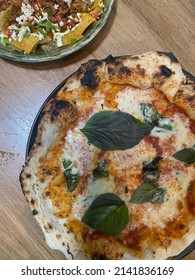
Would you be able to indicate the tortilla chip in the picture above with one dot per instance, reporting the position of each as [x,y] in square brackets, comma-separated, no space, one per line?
[97,6]
[77,33]
[5,15]
[29,43]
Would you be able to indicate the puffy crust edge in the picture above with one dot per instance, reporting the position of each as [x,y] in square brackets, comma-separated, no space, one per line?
[141,71]
[185,99]
[157,69]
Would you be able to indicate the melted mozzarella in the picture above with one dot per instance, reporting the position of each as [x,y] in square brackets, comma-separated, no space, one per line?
[93,190]
[176,185]
[184,138]
[129,101]
[79,151]
[77,148]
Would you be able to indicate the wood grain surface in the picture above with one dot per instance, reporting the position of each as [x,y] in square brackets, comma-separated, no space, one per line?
[135,26]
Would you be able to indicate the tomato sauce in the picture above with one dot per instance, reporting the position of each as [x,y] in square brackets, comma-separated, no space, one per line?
[191,198]
[154,141]
[192,126]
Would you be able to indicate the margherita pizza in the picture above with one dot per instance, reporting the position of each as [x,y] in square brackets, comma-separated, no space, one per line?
[111,174]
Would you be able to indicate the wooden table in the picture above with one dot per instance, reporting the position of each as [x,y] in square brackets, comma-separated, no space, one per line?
[134,27]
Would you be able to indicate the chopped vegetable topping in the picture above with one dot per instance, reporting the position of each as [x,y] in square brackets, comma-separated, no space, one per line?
[61,21]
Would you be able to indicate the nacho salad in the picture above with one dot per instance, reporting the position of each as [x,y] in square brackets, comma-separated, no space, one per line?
[25,24]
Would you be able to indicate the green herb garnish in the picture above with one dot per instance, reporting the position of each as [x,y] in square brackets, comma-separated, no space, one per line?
[44,27]
[148,191]
[49,11]
[66,163]
[100,171]
[4,41]
[107,214]
[186,155]
[72,179]
[150,171]
[153,117]
[112,130]
[74,41]
[150,115]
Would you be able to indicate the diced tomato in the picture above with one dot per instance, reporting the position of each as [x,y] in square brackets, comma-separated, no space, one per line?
[41,2]
[51,5]
[95,14]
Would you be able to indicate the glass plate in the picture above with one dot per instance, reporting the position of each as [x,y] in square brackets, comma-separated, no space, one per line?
[10,52]
[33,134]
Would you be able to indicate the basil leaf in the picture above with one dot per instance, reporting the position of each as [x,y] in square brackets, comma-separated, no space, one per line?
[165,123]
[66,163]
[113,130]
[147,193]
[150,171]
[107,214]
[153,117]
[153,165]
[72,179]
[100,171]
[186,155]
[150,115]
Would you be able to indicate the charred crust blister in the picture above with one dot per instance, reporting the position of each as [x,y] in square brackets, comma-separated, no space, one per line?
[47,193]
[164,72]
[111,70]
[169,55]
[91,79]
[191,98]
[50,226]
[115,66]
[59,107]
[109,58]
[32,201]
[190,77]
[123,70]
[35,212]
[61,104]
[141,71]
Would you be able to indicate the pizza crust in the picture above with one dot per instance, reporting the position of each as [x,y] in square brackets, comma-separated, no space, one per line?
[160,70]
[154,69]
[185,99]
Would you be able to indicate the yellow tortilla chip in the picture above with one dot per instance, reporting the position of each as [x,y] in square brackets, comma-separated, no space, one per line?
[5,15]
[87,19]
[97,5]
[29,43]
